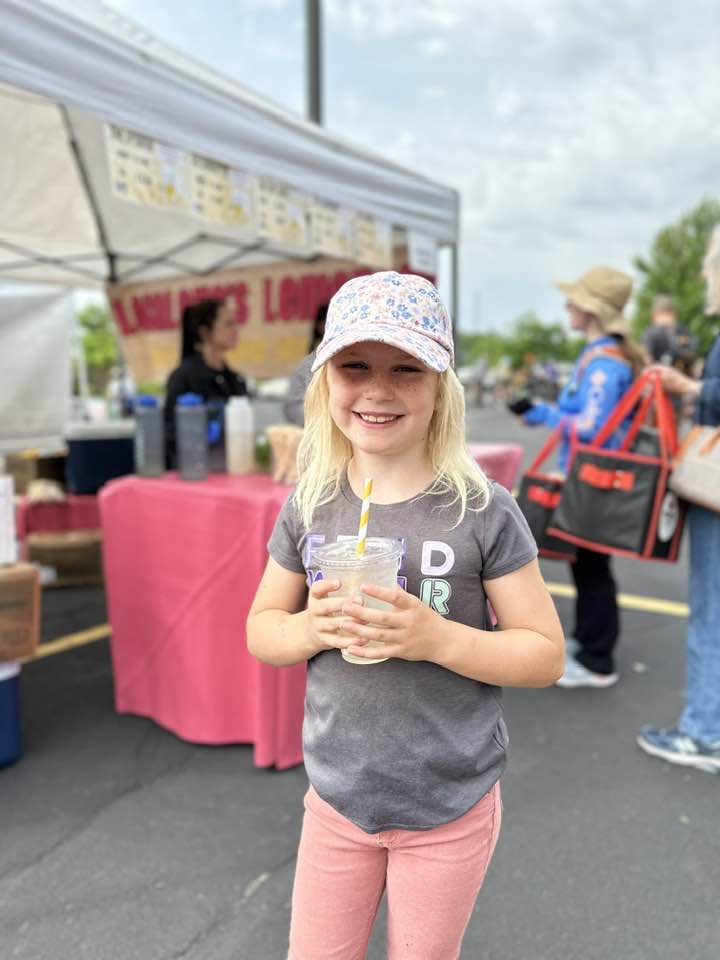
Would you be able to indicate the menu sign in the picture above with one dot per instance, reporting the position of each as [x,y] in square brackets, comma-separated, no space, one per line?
[282,214]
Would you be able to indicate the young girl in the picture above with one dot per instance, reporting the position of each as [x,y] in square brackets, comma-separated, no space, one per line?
[403,756]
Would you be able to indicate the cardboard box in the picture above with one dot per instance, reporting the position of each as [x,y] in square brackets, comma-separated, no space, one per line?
[19,611]
[75,555]
[26,467]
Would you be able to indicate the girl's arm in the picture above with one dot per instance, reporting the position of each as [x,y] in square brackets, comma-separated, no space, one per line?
[528,649]
[280,631]
[603,383]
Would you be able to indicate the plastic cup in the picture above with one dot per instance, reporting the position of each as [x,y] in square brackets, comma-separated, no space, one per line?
[377,565]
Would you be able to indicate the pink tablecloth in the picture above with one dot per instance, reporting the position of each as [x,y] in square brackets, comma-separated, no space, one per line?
[182,563]
[500,461]
[76,512]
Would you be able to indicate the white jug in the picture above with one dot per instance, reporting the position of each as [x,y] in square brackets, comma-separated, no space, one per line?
[239,436]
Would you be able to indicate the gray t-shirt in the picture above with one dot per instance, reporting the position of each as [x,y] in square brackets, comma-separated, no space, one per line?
[402,744]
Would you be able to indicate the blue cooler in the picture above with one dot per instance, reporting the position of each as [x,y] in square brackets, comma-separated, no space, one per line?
[10,744]
[98,452]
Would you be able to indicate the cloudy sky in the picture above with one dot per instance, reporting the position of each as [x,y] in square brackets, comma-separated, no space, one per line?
[574,129]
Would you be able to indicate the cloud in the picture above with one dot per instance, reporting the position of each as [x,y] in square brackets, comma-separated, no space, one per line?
[434,46]
[573,130]
[432,92]
[400,17]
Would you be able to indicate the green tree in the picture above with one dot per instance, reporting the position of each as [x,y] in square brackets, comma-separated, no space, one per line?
[542,341]
[529,337]
[99,345]
[472,346]
[673,267]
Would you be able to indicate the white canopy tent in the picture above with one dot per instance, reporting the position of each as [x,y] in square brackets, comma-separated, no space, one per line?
[34,384]
[66,70]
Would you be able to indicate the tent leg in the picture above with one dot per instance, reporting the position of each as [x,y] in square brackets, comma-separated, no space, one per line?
[454,291]
[455,284]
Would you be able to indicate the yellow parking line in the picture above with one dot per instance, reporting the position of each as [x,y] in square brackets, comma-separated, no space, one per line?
[630,601]
[70,641]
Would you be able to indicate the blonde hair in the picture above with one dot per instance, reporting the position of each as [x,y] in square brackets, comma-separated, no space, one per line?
[324,451]
[634,354]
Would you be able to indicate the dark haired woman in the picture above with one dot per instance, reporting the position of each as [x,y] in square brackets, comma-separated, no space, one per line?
[209,331]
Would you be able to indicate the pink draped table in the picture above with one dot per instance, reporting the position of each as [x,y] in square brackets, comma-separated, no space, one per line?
[75,512]
[500,461]
[182,564]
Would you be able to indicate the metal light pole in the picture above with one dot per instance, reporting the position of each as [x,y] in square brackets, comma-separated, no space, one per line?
[313,59]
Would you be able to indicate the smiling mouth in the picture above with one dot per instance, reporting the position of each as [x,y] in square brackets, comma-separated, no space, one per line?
[377,418]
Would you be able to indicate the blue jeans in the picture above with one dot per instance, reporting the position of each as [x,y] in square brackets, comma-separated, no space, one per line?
[701,717]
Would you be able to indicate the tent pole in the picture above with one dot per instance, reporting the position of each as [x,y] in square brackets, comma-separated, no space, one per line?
[92,199]
[313,54]
[455,296]
[455,278]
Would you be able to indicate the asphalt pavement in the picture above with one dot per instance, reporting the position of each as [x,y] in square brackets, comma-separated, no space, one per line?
[118,841]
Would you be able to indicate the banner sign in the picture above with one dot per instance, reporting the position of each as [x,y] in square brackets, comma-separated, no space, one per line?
[223,195]
[145,172]
[274,305]
[332,229]
[282,214]
[422,253]
[373,242]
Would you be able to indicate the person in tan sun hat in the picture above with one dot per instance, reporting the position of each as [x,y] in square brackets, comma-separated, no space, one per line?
[602,292]
[603,372]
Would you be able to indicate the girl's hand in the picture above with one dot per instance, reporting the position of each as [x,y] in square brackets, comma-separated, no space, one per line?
[324,620]
[409,631]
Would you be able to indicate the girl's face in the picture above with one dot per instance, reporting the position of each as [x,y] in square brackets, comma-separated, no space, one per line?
[224,332]
[381,398]
[578,317]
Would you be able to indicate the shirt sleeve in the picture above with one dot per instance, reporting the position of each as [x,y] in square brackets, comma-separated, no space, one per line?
[507,541]
[285,541]
[239,384]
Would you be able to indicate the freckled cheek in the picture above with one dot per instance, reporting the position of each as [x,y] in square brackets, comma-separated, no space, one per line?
[421,398]
[341,405]
[342,396]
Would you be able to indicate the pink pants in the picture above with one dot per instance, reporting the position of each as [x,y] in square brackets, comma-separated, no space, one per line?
[432,878]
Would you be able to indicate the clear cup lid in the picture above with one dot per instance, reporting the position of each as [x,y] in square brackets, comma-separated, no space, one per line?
[337,554]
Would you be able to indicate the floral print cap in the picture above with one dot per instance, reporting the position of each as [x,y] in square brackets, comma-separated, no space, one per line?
[400,309]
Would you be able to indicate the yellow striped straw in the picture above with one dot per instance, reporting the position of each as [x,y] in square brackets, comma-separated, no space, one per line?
[364,517]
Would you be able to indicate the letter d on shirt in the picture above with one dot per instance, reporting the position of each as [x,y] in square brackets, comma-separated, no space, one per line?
[429,569]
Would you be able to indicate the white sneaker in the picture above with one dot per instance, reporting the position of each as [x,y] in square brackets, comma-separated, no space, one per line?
[576,675]
[571,646]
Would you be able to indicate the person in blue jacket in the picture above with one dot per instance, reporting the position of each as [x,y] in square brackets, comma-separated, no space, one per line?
[603,372]
[695,740]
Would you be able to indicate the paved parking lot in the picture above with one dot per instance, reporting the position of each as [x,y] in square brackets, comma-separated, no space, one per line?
[120,842]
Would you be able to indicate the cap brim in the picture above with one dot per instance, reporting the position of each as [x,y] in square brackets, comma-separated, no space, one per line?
[423,348]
